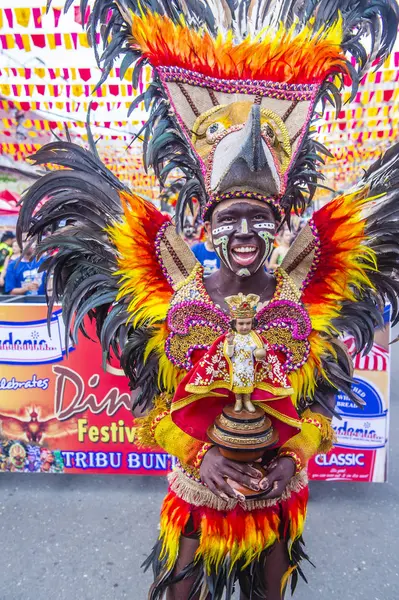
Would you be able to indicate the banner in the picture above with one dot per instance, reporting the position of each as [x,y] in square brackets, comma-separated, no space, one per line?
[361,449]
[63,413]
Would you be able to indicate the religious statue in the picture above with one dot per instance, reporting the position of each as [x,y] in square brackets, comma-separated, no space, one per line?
[243,346]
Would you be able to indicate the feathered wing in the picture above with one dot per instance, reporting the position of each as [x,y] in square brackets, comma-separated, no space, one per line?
[346,260]
[53,428]
[76,202]
[12,427]
[102,254]
[141,238]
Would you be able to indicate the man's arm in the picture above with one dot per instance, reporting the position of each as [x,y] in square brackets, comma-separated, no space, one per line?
[18,291]
[316,436]
[156,429]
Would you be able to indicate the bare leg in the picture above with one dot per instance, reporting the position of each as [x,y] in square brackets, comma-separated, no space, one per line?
[238,404]
[277,563]
[247,403]
[181,590]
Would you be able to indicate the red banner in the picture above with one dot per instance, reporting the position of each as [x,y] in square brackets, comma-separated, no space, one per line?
[59,413]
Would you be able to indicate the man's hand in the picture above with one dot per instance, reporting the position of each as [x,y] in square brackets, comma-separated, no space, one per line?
[279,472]
[215,468]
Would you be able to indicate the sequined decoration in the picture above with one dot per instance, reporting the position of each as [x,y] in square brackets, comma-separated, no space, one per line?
[196,322]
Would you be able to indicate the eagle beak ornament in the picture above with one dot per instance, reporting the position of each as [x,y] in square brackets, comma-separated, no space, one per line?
[246,155]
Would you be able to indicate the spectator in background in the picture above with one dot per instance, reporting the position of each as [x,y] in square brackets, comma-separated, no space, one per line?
[206,255]
[15,254]
[6,242]
[190,232]
[23,277]
[284,242]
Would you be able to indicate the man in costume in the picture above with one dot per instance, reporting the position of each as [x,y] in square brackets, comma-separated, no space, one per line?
[234,91]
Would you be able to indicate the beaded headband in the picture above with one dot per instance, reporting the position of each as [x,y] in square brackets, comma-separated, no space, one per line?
[241,195]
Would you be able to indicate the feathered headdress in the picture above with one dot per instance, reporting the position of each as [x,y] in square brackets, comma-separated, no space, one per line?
[236,84]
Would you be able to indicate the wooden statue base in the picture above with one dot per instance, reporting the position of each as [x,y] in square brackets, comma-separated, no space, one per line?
[243,436]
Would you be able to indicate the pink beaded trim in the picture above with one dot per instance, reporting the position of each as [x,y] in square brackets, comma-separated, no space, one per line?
[257,87]
[300,326]
[158,254]
[297,460]
[189,319]
[200,455]
[317,255]
[187,364]
[289,364]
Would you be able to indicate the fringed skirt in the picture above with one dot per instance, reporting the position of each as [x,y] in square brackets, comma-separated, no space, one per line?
[233,538]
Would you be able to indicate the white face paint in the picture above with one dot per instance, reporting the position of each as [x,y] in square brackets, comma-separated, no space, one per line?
[244,226]
[222,229]
[264,226]
[220,245]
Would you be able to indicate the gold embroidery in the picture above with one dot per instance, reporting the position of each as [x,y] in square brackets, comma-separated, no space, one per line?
[241,426]
[199,335]
[282,336]
[243,440]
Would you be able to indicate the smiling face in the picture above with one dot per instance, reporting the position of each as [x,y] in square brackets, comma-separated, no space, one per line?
[243,233]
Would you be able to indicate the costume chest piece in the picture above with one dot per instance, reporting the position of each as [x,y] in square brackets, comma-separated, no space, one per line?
[195,322]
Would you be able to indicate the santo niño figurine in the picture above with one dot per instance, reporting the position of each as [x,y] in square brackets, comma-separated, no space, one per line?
[243,345]
[239,369]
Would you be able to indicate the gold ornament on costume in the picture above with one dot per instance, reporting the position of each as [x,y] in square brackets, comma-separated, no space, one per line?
[241,306]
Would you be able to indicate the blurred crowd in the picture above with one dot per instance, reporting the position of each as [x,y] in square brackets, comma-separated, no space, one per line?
[19,274]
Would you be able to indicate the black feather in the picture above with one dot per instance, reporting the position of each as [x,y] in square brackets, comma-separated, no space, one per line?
[76,205]
[220,583]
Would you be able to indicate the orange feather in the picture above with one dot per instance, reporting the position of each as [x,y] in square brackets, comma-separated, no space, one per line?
[281,56]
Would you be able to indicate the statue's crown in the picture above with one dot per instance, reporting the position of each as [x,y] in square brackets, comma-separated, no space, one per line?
[241,306]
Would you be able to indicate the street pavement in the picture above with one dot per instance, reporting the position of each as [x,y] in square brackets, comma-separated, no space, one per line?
[82,537]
